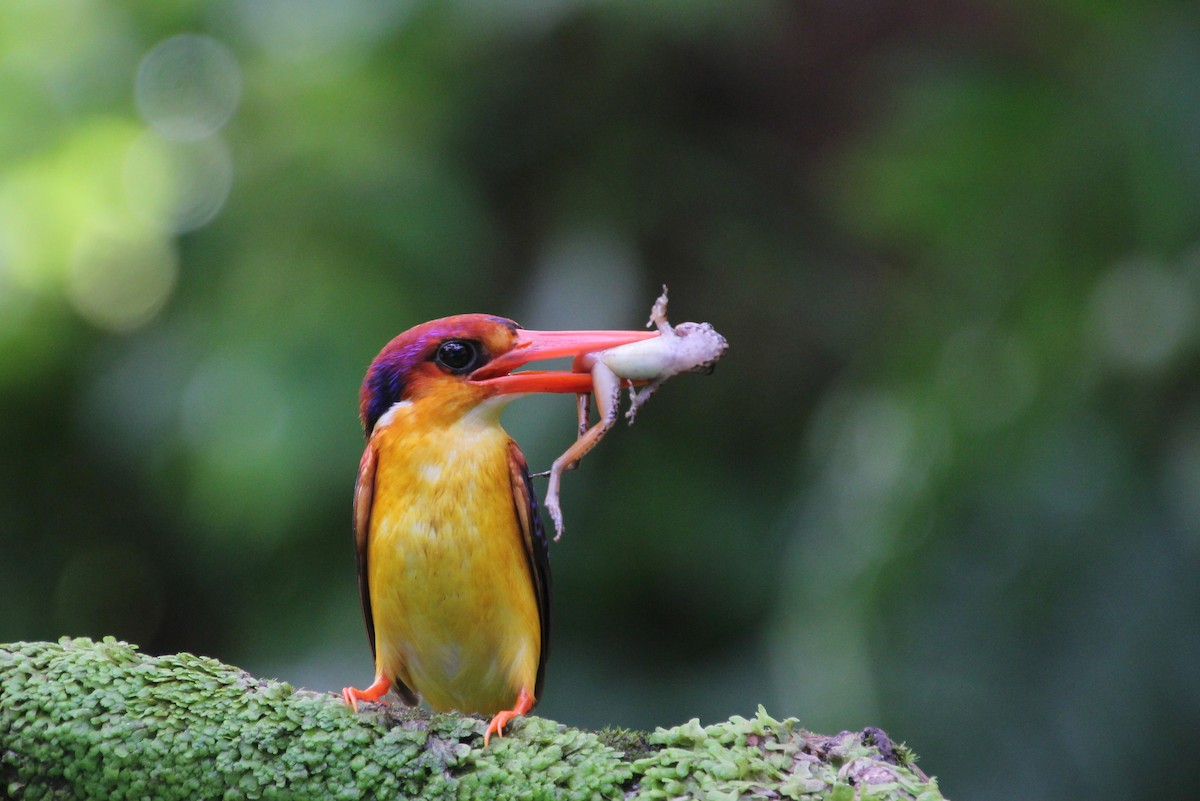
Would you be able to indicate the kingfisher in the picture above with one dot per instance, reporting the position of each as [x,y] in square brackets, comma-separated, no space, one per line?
[453,566]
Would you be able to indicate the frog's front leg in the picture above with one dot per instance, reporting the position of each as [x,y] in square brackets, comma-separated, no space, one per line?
[637,398]
[606,387]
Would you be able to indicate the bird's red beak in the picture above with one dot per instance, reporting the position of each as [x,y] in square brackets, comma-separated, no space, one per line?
[539,345]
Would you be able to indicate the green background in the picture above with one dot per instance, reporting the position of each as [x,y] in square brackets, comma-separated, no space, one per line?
[946,480]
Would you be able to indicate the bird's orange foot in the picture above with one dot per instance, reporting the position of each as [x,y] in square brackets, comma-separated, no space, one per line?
[373,693]
[523,705]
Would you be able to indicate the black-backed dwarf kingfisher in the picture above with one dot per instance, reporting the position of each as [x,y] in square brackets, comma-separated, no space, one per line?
[453,569]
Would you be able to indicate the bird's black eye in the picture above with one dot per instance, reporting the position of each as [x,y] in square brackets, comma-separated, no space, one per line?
[458,356]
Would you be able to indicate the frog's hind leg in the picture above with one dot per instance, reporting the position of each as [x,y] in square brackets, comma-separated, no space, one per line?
[606,388]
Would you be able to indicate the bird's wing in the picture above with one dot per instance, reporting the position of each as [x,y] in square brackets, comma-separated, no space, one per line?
[536,550]
[364,495]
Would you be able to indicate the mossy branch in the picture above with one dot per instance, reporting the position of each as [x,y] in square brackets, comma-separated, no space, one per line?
[83,719]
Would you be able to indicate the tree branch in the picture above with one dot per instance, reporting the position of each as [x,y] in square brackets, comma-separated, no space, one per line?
[84,719]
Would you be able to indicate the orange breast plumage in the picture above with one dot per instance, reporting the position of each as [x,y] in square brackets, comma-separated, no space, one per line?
[453,598]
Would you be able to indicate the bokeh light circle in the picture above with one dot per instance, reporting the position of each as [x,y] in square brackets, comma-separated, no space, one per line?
[188,86]
[1140,314]
[179,186]
[119,278]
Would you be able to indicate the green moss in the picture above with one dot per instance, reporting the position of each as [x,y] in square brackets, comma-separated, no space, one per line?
[80,719]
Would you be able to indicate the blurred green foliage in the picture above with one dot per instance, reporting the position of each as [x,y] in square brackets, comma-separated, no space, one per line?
[946,481]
